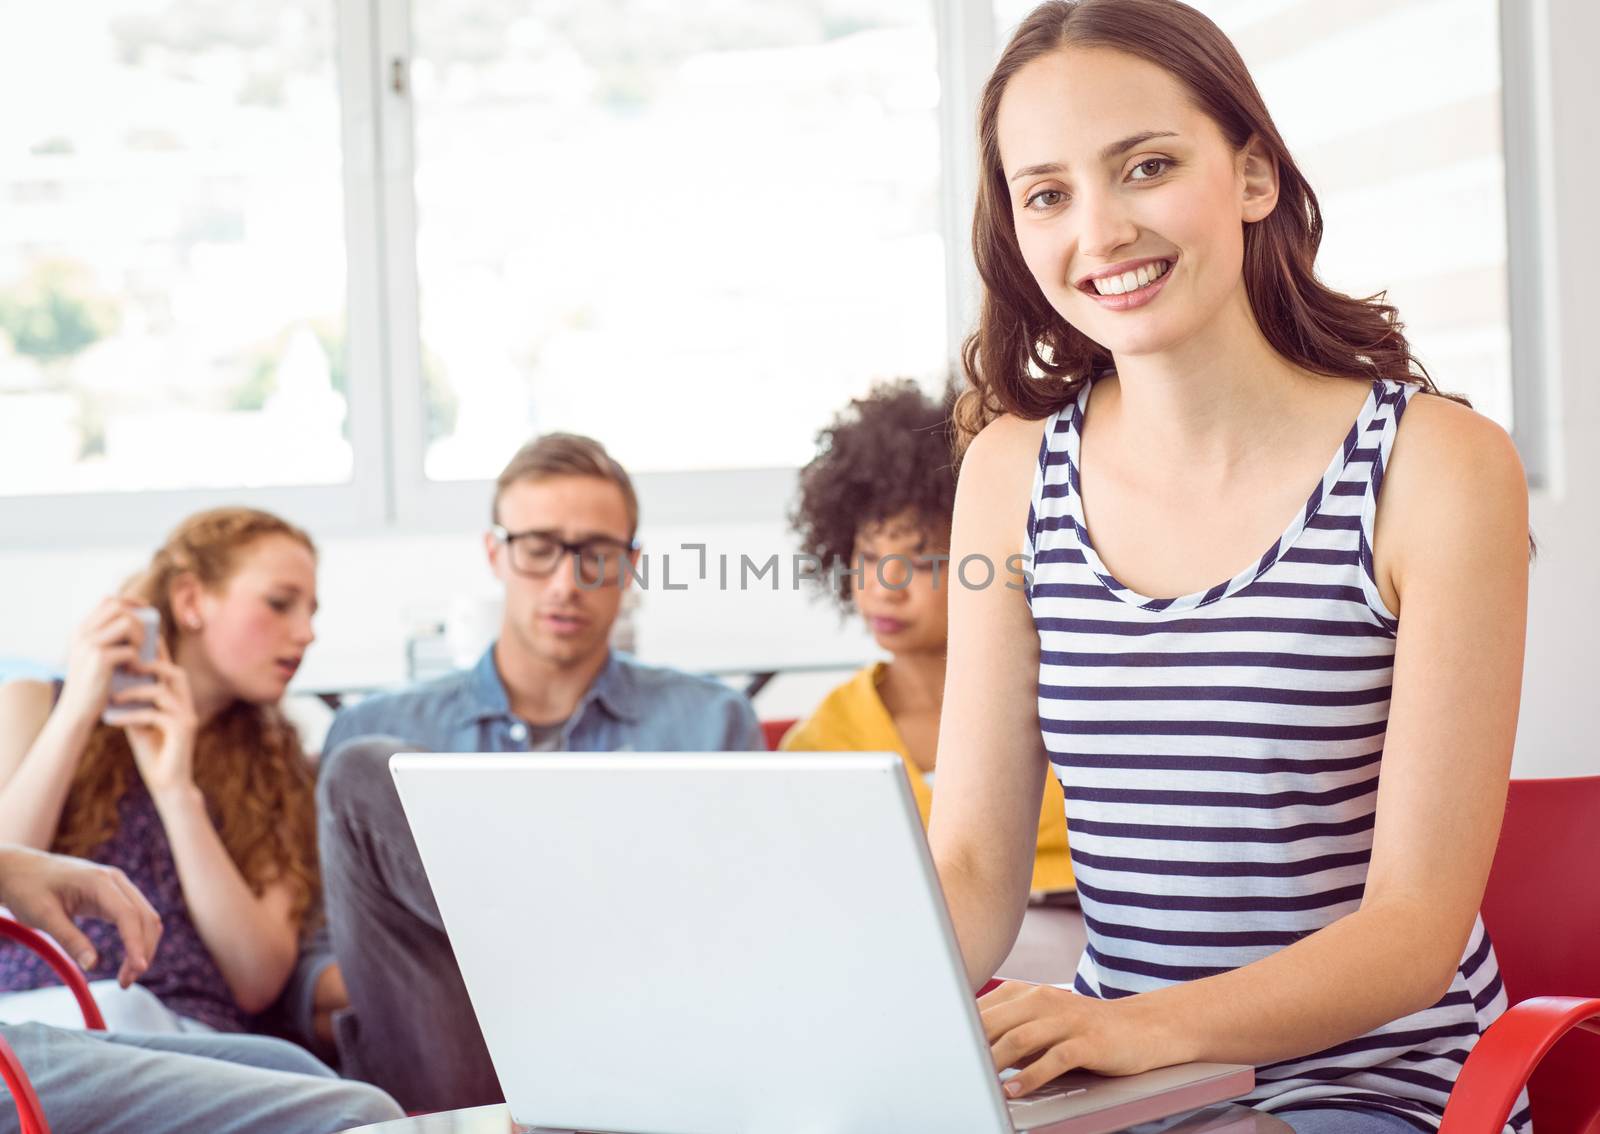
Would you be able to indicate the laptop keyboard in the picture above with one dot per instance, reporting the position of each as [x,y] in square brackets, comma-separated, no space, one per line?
[1044,1096]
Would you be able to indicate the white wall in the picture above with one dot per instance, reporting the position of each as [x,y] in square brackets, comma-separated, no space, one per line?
[1557,736]
[372,585]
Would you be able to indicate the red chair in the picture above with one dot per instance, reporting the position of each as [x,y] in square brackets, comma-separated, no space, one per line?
[1542,909]
[29,1112]
[773,732]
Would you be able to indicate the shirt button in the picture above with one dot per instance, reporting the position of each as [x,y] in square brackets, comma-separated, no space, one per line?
[519,732]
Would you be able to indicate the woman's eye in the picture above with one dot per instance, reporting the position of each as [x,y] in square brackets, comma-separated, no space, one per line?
[1150,168]
[1044,199]
[279,605]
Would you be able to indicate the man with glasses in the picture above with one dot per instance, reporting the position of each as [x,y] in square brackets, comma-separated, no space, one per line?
[563,543]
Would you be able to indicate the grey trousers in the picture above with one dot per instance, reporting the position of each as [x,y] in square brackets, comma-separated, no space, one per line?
[118,1083]
[410,1027]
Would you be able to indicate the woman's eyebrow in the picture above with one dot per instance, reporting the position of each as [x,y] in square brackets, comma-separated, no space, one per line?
[1106,154]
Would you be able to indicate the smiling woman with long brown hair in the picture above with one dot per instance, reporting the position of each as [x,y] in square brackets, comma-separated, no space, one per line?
[200,793]
[1270,640]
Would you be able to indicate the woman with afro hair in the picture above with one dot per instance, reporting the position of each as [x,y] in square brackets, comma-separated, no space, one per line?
[875,509]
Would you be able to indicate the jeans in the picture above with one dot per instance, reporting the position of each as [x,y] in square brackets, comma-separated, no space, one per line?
[1333,1120]
[118,1083]
[410,1028]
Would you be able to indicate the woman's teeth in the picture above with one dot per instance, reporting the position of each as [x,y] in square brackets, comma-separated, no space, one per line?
[1132,281]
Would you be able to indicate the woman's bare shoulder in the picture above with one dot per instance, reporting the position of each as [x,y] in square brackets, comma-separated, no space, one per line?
[1454,488]
[1448,455]
[996,485]
[25,705]
[1003,447]
[27,697]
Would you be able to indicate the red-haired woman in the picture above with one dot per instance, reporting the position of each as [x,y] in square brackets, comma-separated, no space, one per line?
[203,797]
[1271,639]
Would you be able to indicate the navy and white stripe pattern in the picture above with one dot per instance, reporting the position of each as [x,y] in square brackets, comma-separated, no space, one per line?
[1220,754]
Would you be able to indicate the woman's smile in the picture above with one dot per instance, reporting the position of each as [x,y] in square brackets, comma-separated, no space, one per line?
[1125,286]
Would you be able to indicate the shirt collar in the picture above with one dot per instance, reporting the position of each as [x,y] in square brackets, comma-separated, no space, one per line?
[486,692]
[613,687]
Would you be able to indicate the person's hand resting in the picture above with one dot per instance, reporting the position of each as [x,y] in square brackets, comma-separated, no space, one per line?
[47,891]
[1046,1032]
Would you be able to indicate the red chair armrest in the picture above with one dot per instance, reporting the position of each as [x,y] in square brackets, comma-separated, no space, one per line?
[995,982]
[69,973]
[29,1111]
[1505,1057]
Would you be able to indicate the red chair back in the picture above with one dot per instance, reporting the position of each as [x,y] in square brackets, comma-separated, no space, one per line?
[773,732]
[30,1115]
[1542,910]
[70,974]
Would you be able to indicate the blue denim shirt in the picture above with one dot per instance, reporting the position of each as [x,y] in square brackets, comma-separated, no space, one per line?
[630,706]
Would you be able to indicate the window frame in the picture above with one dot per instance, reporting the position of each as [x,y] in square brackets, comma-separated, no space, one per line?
[1527,116]
[89,519]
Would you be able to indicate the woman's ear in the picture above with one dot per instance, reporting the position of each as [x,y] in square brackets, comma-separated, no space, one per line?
[1258,181]
[184,595]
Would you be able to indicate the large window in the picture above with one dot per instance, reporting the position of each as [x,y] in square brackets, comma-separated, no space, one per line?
[172,262]
[340,257]
[693,231]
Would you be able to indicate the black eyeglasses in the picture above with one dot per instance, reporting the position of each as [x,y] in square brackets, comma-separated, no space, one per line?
[537,554]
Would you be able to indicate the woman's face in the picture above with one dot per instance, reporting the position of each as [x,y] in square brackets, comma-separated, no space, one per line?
[903,592]
[1111,170]
[254,629]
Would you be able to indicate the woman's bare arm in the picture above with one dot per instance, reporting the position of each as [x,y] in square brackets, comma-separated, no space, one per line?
[42,738]
[991,760]
[39,754]
[254,940]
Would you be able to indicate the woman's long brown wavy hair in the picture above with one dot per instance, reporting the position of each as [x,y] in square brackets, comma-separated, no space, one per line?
[1024,359]
[248,763]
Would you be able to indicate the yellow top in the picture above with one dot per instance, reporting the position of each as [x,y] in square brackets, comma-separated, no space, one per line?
[853,718]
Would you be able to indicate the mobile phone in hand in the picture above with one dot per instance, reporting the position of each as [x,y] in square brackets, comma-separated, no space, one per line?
[124,678]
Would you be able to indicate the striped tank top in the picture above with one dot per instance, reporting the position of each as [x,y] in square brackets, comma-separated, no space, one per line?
[1219,754]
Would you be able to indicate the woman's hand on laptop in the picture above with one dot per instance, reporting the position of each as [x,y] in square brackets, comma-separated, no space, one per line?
[1046,1032]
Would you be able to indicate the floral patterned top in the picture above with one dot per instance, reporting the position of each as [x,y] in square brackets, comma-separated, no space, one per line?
[183,974]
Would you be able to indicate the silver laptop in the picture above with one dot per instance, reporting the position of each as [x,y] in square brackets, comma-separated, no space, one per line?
[726,944]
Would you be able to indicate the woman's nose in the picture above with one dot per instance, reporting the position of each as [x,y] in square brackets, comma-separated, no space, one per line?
[1104,225]
[890,578]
